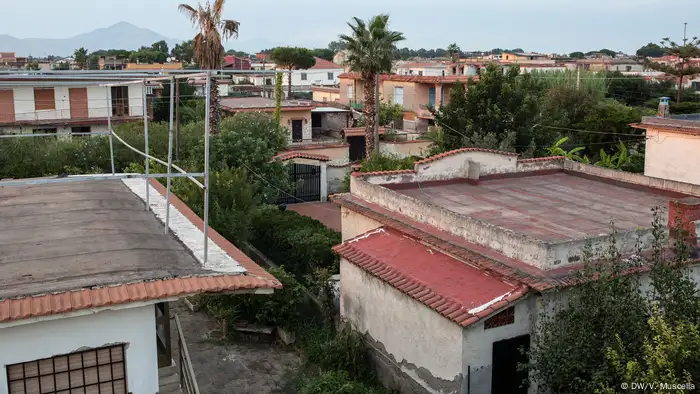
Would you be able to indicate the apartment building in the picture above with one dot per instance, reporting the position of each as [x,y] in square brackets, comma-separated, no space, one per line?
[414,92]
[9,60]
[65,105]
[323,73]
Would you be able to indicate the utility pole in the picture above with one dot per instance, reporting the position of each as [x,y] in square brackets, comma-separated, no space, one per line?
[376,115]
[177,120]
[685,31]
[578,77]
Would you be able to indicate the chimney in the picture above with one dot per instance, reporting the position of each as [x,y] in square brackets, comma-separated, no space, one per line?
[663,108]
[684,215]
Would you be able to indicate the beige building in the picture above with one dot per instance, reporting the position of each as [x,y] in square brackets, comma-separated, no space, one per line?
[446,267]
[325,94]
[294,115]
[672,148]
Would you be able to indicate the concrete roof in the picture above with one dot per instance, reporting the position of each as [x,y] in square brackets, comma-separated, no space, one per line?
[61,238]
[238,103]
[552,207]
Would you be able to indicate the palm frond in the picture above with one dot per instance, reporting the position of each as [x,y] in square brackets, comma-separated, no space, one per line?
[229,28]
[189,12]
[218,9]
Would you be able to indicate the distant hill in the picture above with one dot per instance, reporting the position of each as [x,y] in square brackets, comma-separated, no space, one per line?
[122,35]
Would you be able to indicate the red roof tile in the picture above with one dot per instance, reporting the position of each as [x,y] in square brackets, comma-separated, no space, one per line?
[456,290]
[302,155]
[414,78]
[454,152]
[536,159]
[359,131]
[69,301]
[324,64]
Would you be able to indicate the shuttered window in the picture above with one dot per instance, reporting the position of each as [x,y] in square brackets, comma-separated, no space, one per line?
[44,99]
[94,371]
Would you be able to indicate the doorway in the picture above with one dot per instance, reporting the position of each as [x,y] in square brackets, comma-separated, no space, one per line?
[505,376]
[120,101]
[297,130]
[78,98]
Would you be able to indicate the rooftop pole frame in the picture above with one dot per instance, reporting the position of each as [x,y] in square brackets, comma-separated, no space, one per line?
[207,130]
[170,153]
[109,127]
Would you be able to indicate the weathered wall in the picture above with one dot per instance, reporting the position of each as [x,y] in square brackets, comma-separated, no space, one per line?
[325,96]
[338,154]
[336,177]
[286,118]
[405,148]
[354,224]
[335,120]
[136,103]
[135,327]
[408,336]
[97,102]
[478,344]
[672,156]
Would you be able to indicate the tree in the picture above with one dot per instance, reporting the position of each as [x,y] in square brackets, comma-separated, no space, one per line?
[81,58]
[371,49]
[577,55]
[184,51]
[62,66]
[160,46]
[454,51]
[606,52]
[689,50]
[292,58]
[33,65]
[278,97]
[323,53]
[651,50]
[337,46]
[208,47]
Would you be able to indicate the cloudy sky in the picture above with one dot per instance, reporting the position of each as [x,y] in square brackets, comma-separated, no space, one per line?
[534,25]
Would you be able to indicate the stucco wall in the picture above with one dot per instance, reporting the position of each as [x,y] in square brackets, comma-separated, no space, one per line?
[24,104]
[406,148]
[336,178]
[338,154]
[286,118]
[672,156]
[97,102]
[478,344]
[135,326]
[335,121]
[354,224]
[325,96]
[409,93]
[417,340]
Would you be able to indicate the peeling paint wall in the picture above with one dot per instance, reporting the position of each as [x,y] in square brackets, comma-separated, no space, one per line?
[424,346]
[354,224]
[405,148]
[135,326]
[336,178]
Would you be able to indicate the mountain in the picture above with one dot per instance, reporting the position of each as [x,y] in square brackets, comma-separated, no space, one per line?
[122,35]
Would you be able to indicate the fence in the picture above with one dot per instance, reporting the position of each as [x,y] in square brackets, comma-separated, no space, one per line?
[188,382]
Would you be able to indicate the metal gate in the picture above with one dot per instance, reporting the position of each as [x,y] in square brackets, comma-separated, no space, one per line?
[306,184]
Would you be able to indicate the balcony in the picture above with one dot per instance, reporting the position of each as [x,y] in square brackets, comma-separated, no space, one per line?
[357,104]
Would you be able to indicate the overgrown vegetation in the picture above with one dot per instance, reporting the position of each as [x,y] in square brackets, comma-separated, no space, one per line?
[609,329]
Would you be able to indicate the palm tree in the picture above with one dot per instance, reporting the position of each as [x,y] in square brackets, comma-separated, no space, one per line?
[370,53]
[208,48]
[454,51]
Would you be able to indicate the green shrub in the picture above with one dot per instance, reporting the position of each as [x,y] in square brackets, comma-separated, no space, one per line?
[335,382]
[343,351]
[387,162]
[298,242]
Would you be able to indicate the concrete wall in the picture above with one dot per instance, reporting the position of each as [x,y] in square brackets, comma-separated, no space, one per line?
[477,346]
[24,104]
[410,99]
[336,178]
[672,156]
[338,154]
[335,120]
[98,106]
[405,148]
[412,343]
[313,77]
[354,224]
[324,96]
[136,103]
[136,327]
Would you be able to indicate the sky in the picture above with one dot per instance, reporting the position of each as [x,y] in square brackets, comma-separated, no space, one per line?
[548,26]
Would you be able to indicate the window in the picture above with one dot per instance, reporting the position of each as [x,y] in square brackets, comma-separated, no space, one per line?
[78,131]
[97,371]
[443,73]
[120,100]
[398,95]
[303,76]
[349,91]
[330,76]
[420,73]
[49,130]
[503,318]
[44,99]
[628,68]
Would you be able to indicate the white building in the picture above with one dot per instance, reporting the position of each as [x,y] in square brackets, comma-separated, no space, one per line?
[57,104]
[85,308]
[428,69]
[446,268]
[324,73]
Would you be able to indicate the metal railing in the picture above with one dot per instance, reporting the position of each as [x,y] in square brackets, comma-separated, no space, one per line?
[188,382]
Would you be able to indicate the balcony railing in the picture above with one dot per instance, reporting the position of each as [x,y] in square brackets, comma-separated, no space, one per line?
[188,382]
[357,104]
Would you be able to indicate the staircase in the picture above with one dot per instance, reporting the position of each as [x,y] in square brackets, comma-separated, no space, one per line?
[169,380]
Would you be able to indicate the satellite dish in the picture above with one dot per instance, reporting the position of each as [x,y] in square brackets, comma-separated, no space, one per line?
[169,59]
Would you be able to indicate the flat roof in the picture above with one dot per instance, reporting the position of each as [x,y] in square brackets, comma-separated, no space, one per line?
[238,103]
[72,240]
[551,207]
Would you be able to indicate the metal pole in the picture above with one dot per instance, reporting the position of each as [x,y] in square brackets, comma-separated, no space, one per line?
[145,131]
[170,153]
[578,77]
[207,119]
[109,127]
[376,115]
[177,120]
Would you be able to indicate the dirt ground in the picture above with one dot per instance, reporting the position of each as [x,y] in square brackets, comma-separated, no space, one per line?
[227,367]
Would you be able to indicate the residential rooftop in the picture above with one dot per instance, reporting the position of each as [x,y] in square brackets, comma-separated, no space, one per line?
[262,104]
[92,243]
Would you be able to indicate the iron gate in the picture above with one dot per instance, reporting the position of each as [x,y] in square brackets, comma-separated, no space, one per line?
[306,184]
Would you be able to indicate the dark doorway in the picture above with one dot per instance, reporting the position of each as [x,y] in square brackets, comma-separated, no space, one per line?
[297,133]
[357,148]
[163,344]
[306,184]
[505,376]
[316,120]
[120,101]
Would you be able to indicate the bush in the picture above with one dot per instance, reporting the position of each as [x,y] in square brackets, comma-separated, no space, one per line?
[343,351]
[387,162]
[300,243]
[337,382]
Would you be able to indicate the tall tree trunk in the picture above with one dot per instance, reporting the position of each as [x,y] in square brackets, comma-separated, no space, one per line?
[215,109]
[680,87]
[289,87]
[370,114]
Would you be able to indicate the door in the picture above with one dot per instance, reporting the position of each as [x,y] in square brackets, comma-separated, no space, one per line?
[7,106]
[357,148]
[297,133]
[431,97]
[505,376]
[163,344]
[306,184]
[78,103]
